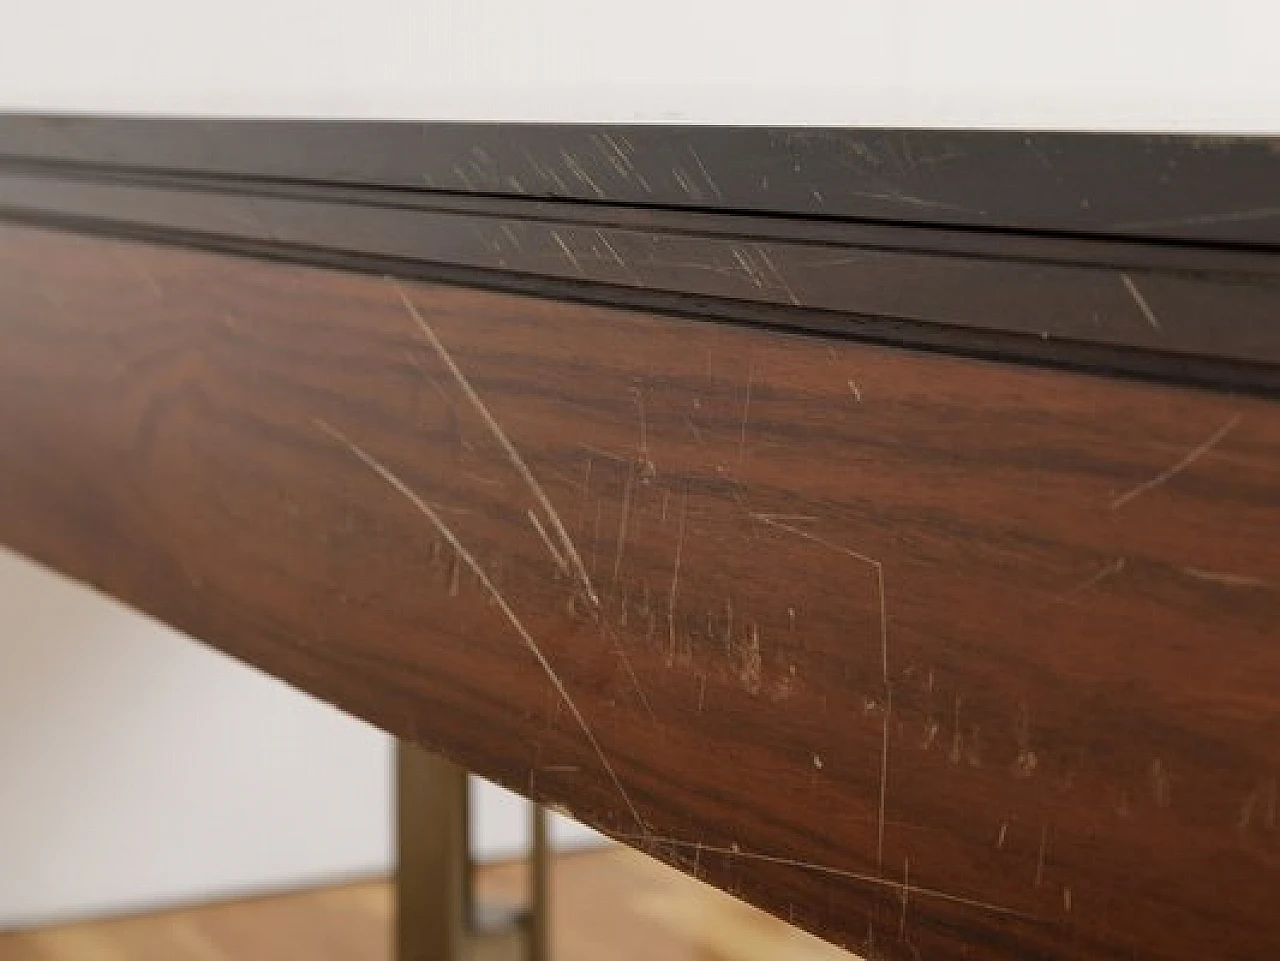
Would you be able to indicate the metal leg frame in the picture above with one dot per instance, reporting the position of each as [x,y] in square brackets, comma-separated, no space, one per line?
[437,916]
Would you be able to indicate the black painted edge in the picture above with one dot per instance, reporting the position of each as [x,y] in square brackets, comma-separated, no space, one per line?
[1175,314]
[1198,372]
[1177,188]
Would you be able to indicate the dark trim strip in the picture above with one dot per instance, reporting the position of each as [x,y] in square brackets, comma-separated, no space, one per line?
[1177,314]
[1182,312]
[1219,190]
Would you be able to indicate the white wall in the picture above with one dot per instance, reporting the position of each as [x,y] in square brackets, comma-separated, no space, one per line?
[1086,64]
[140,769]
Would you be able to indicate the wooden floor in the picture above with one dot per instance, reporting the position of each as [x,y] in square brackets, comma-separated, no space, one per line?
[615,905]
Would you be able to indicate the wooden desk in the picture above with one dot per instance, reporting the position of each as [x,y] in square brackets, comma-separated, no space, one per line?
[937,637]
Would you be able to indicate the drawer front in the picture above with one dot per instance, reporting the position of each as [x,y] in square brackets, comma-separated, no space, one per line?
[937,657]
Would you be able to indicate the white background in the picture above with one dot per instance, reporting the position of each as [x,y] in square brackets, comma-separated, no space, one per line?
[1207,65]
[141,769]
[137,768]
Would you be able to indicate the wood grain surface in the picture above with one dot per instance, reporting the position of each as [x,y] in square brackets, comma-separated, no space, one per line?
[935,657]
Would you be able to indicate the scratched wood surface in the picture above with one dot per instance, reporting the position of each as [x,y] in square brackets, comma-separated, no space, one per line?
[935,657]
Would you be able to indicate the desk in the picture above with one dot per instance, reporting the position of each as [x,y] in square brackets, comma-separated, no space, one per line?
[935,650]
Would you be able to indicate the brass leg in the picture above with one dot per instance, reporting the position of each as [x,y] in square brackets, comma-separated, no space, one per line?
[436,917]
[431,836]
[539,916]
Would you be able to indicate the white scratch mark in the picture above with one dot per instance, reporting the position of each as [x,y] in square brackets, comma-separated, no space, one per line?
[484,236]
[567,545]
[1034,148]
[455,577]
[551,548]
[748,268]
[1228,580]
[884,775]
[1004,833]
[778,276]
[697,434]
[1265,797]
[853,389]
[851,261]
[1141,301]
[1194,455]
[1159,783]
[736,851]
[548,509]
[543,172]
[595,537]
[645,459]
[621,651]
[607,455]
[1115,567]
[611,156]
[931,730]
[586,495]
[462,175]
[675,570]
[625,157]
[906,888]
[957,738]
[895,197]
[617,258]
[705,174]
[690,190]
[400,487]
[568,254]
[622,525]
[1232,217]
[581,174]
[773,521]
[533,162]
[746,410]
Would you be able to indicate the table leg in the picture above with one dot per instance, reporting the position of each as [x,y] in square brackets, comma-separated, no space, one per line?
[437,918]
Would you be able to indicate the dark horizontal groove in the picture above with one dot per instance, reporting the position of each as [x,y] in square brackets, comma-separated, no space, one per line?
[1022,245]
[1172,302]
[1198,189]
[1191,371]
